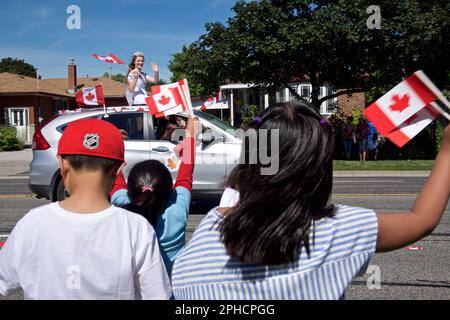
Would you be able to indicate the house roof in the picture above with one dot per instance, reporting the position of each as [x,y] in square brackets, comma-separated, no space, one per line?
[111,88]
[13,84]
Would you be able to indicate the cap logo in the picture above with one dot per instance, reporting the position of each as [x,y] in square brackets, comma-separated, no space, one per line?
[91,141]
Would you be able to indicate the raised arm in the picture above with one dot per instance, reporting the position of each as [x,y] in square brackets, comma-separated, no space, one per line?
[184,178]
[155,74]
[396,230]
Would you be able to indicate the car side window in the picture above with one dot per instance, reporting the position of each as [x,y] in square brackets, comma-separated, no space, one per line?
[165,127]
[131,123]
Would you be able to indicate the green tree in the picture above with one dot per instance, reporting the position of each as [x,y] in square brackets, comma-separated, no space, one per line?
[117,77]
[180,66]
[272,42]
[17,66]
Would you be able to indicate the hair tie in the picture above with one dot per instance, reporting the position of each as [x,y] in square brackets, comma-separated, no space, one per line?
[147,187]
[324,121]
[257,119]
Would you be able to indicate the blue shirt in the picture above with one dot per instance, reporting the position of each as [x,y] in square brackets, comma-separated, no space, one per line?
[342,249]
[170,225]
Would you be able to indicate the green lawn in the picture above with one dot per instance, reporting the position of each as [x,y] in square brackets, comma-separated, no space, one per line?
[383,165]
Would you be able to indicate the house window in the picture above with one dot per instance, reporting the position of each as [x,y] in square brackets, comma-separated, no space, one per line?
[331,103]
[305,92]
[289,96]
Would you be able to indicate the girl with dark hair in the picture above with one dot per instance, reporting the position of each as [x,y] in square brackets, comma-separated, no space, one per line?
[137,80]
[283,240]
[150,192]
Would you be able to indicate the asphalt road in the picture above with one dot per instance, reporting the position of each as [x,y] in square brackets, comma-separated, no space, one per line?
[404,274]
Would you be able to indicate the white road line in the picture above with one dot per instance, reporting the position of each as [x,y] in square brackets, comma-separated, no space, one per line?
[4,235]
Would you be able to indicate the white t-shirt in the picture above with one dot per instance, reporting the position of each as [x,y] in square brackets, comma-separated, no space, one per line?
[139,93]
[56,254]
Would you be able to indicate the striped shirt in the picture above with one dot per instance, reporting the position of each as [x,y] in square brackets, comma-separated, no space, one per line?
[342,249]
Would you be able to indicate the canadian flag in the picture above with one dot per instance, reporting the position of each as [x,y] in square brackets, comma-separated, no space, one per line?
[90,96]
[182,87]
[401,103]
[109,58]
[208,103]
[411,127]
[165,100]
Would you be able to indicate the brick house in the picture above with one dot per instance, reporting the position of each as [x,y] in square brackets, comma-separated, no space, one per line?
[26,102]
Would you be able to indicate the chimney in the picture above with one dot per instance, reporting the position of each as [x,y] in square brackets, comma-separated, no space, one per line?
[71,77]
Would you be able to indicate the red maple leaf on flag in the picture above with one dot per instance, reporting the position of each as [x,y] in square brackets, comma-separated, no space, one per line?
[109,60]
[89,96]
[399,104]
[164,100]
[411,119]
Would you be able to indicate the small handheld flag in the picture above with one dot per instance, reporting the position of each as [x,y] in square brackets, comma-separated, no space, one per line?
[169,99]
[400,103]
[406,109]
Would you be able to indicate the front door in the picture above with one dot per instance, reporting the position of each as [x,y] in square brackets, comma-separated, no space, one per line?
[18,118]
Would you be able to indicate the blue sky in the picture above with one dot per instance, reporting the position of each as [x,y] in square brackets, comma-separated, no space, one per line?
[36,31]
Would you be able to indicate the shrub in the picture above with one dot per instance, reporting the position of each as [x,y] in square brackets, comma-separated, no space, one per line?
[248,114]
[9,140]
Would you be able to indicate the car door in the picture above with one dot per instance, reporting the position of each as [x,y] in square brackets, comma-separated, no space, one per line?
[136,128]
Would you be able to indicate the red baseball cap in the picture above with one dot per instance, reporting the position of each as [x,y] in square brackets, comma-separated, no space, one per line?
[92,137]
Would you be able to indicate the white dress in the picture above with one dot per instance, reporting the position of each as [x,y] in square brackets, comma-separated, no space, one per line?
[139,94]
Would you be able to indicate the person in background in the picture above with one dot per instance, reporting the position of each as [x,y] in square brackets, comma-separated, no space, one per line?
[362,134]
[348,136]
[137,79]
[283,239]
[373,145]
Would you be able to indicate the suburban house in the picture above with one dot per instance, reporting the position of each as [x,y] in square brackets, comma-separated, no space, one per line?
[27,102]
[238,96]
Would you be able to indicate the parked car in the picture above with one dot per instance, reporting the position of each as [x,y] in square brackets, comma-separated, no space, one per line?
[217,151]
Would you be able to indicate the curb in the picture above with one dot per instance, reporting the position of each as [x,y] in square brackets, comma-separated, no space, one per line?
[420,174]
[14,177]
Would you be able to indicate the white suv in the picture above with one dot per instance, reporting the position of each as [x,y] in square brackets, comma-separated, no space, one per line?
[217,152]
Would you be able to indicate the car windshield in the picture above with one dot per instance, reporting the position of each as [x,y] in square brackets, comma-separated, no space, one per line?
[215,121]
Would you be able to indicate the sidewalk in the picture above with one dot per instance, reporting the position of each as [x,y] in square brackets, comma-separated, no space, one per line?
[16,165]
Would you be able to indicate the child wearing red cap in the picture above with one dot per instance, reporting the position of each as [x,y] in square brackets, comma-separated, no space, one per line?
[82,247]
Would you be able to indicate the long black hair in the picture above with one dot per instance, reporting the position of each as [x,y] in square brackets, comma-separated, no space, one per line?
[132,65]
[149,188]
[272,221]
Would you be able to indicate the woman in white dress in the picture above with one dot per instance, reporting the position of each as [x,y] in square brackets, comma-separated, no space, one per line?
[137,80]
